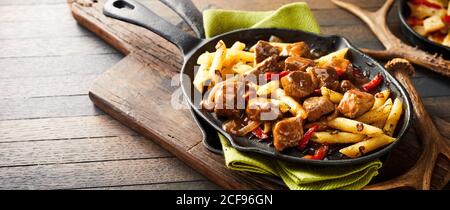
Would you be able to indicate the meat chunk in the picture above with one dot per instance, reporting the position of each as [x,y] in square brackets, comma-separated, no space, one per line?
[287,133]
[262,109]
[263,50]
[297,84]
[300,49]
[346,85]
[327,77]
[355,103]
[355,76]
[317,107]
[297,63]
[229,101]
[271,64]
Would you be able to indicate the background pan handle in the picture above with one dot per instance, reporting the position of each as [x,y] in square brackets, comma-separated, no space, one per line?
[190,14]
[133,12]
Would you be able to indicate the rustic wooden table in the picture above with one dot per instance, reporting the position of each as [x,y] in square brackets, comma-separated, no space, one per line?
[51,135]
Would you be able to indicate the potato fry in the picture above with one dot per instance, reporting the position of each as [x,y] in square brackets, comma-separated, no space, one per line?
[238,46]
[241,68]
[231,59]
[334,96]
[267,127]
[330,58]
[205,59]
[268,88]
[338,137]
[394,116]
[295,108]
[201,77]
[354,126]
[380,98]
[376,114]
[366,146]
[242,55]
[217,63]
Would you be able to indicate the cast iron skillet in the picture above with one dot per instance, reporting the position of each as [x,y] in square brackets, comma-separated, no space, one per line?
[192,47]
[415,38]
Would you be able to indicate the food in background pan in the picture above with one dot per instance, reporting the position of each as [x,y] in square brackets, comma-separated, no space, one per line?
[431,19]
[284,94]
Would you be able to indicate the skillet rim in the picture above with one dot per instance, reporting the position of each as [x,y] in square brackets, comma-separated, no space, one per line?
[290,158]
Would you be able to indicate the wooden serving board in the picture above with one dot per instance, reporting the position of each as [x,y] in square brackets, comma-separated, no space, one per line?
[137,92]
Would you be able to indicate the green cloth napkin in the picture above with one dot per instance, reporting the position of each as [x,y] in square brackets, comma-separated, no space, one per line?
[296,177]
[290,16]
[300,177]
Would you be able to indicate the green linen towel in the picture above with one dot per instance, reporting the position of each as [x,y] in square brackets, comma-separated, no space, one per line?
[300,177]
[296,177]
[290,16]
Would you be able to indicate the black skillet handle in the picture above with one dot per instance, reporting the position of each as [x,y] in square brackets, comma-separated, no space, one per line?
[190,14]
[133,12]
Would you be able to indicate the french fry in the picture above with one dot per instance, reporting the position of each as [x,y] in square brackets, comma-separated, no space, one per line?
[295,108]
[328,60]
[446,40]
[376,114]
[238,46]
[201,77]
[366,146]
[268,88]
[380,98]
[354,126]
[244,56]
[231,58]
[334,96]
[394,116]
[217,62]
[433,23]
[241,68]
[338,137]
[267,127]
[205,59]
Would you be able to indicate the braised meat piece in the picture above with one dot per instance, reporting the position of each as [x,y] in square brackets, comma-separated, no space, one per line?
[354,75]
[233,126]
[346,85]
[300,49]
[271,64]
[228,101]
[355,103]
[327,77]
[263,50]
[262,109]
[297,63]
[297,84]
[317,107]
[287,133]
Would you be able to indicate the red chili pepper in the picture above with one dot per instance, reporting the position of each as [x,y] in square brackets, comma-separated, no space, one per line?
[269,75]
[426,3]
[304,141]
[319,154]
[259,133]
[339,71]
[373,83]
[446,19]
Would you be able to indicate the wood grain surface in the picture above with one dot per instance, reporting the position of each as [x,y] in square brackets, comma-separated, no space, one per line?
[53,137]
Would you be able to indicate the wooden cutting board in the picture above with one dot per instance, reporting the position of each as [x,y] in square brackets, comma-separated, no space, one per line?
[137,92]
